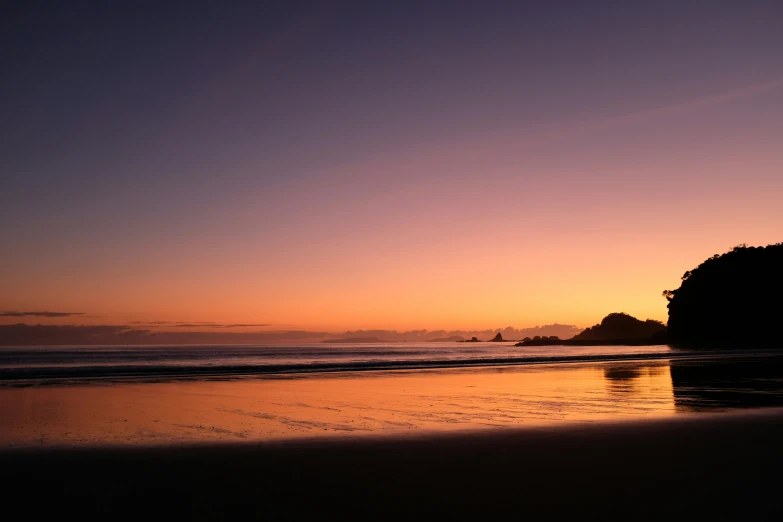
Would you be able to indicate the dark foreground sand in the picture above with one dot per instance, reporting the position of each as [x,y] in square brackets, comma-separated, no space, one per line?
[703,467]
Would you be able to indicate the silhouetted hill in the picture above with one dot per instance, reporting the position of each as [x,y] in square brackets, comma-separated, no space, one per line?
[497,339]
[620,326]
[732,299]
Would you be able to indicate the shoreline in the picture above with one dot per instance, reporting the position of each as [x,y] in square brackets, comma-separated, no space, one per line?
[366,404]
[31,376]
[576,428]
[716,466]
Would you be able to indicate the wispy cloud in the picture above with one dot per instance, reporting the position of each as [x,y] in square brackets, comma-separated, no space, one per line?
[706,100]
[39,314]
[564,331]
[216,325]
[196,324]
[22,334]
[241,325]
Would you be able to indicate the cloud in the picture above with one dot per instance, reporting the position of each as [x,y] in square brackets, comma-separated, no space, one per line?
[26,335]
[564,331]
[22,334]
[39,314]
[241,325]
[196,324]
[218,325]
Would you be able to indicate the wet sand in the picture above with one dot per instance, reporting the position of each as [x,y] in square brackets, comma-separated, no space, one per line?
[723,466]
[349,404]
[647,440]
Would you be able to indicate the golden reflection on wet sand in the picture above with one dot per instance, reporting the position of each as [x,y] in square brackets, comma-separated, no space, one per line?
[352,404]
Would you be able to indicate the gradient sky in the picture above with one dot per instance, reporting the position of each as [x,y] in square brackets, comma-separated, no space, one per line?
[339,165]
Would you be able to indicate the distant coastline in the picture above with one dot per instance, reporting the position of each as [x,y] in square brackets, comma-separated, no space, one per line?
[616,329]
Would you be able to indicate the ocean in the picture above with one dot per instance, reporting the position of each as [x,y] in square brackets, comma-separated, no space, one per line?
[41,363]
[131,395]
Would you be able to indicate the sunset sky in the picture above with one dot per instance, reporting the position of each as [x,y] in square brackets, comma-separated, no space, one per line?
[348,165]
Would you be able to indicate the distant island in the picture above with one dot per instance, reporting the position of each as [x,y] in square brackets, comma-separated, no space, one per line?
[730,300]
[497,339]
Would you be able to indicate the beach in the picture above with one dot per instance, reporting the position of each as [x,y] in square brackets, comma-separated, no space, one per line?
[340,404]
[680,437]
[707,467]
[391,261]
[187,406]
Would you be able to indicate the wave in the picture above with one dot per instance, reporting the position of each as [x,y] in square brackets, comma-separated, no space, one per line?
[16,375]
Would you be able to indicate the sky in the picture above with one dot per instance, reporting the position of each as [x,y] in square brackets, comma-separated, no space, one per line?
[338,166]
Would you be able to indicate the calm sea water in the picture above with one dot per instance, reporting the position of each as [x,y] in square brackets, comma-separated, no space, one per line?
[74,362]
[168,394]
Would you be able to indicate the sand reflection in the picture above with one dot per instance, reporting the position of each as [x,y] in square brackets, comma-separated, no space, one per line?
[752,382]
[337,404]
[640,385]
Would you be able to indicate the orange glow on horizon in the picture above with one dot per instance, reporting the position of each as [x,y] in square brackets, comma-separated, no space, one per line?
[399,243]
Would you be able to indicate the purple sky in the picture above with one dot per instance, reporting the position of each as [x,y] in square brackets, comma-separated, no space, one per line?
[454,165]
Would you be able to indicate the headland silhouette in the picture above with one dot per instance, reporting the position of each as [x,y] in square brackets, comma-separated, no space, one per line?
[730,300]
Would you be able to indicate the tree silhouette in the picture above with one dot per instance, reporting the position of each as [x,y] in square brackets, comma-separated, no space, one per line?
[732,299]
